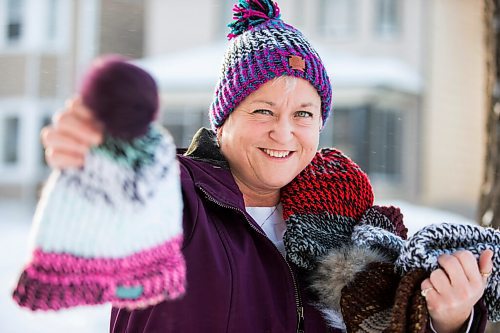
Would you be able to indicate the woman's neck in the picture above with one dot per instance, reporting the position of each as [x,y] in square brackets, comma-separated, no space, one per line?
[258,198]
[261,201]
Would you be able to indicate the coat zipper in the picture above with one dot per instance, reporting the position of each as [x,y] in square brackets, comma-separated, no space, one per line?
[298,301]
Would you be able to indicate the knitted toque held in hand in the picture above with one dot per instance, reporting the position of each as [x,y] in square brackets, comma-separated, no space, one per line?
[262,47]
[358,282]
[424,248]
[376,293]
[321,206]
[111,231]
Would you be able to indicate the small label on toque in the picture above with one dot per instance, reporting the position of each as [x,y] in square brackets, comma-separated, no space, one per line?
[126,292]
[297,62]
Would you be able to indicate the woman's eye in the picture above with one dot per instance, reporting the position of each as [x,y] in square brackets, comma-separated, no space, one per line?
[304,114]
[264,112]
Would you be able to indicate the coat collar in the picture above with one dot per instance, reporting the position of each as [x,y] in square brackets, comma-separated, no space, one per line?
[210,170]
[204,147]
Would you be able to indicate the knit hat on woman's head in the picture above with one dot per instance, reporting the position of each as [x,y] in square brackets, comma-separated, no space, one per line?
[262,47]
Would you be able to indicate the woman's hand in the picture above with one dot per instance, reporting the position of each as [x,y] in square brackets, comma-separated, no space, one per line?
[452,290]
[72,132]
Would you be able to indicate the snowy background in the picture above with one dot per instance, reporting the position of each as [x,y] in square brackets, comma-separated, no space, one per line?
[15,221]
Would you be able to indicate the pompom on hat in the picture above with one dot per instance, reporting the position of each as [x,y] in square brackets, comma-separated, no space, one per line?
[262,47]
[121,95]
[111,231]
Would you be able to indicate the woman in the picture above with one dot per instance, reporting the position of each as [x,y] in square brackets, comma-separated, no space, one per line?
[270,104]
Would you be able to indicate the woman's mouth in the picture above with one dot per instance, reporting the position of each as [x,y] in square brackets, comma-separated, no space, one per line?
[277,153]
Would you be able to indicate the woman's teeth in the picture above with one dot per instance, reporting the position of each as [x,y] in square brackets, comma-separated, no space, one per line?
[277,153]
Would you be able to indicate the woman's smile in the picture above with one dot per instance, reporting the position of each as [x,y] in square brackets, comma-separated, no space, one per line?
[277,154]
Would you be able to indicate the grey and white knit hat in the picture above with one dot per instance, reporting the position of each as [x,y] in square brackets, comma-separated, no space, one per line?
[423,249]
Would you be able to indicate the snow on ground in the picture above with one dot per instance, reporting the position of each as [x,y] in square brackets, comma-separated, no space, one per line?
[416,217]
[15,218]
[15,221]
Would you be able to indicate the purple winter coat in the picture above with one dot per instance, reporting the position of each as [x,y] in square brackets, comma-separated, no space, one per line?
[237,280]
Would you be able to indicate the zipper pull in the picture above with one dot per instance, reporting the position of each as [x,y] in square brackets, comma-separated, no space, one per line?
[300,319]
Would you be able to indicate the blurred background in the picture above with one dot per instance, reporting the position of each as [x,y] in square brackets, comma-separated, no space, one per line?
[409,81]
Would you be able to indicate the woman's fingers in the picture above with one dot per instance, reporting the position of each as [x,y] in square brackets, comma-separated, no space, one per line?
[461,267]
[62,160]
[59,141]
[452,290]
[486,264]
[73,131]
[70,124]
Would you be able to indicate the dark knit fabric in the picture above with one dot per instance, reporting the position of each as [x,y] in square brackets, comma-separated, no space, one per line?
[395,216]
[409,312]
[366,302]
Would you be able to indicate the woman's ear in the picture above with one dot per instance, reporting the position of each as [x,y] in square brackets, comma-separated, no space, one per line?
[218,135]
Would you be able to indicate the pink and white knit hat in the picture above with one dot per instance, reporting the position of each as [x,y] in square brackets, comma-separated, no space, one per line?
[111,231]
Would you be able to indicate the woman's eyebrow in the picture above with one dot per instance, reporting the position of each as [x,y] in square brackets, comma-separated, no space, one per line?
[263,102]
[308,104]
[303,105]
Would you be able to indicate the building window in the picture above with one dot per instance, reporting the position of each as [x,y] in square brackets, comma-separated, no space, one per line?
[371,137]
[337,18]
[52,19]
[45,121]
[14,20]
[10,140]
[388,17]
[183,124]
[385,139]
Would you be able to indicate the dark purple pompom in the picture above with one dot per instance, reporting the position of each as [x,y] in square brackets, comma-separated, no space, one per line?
[121,95]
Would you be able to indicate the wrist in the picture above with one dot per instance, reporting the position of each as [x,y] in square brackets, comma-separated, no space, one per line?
[446,327]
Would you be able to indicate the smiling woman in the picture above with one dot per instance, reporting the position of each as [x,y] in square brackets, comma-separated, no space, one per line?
[270,137]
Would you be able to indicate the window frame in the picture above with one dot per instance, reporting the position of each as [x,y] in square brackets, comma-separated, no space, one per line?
[382,28]
[347,32]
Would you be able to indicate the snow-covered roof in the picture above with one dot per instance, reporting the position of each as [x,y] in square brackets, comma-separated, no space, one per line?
[198,68]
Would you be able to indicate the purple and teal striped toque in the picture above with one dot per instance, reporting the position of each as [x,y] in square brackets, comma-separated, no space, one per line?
[262,47]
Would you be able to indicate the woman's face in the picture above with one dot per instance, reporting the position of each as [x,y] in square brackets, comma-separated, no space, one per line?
[272,135]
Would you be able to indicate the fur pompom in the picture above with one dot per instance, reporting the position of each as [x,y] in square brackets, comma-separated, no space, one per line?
[338,269]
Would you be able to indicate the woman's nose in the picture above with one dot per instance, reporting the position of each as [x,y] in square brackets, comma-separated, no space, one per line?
[282,130]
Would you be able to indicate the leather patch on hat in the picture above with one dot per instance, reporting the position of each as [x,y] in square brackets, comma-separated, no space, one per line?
[296,62]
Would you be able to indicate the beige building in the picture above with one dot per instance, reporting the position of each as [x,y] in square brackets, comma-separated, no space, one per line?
[44,46]
[453,113]
[407,76]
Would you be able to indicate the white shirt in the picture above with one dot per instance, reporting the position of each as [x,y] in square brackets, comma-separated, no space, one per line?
[271,221]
